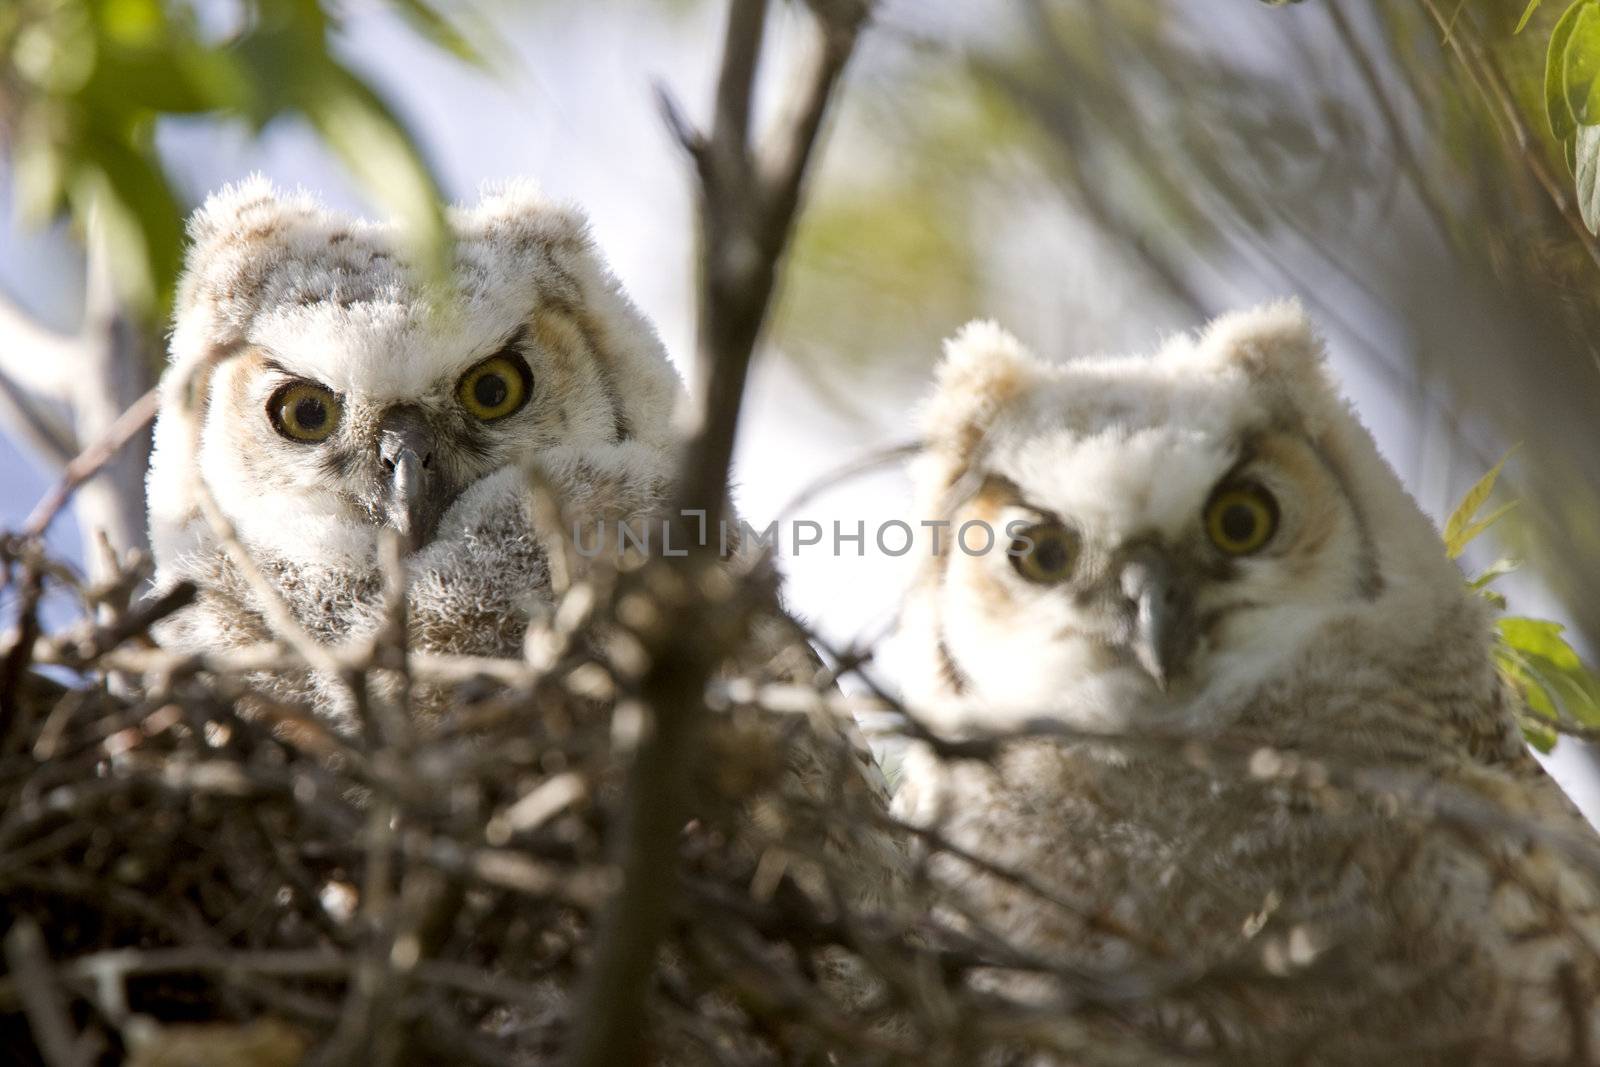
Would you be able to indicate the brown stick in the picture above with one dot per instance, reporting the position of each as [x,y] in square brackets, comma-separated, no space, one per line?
[89,462]
[747,211]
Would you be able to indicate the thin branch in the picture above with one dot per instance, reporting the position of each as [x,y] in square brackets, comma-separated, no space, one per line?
[48,1021]
[89,462]
[748,206]
[34,364]
[267,598]
[747,214]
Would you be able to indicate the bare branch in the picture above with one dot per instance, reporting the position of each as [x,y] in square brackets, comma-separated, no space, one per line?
[746,217]
[34,369]
[28,960]
[747,211]
[59,393]
[112,374]
[89,462]
[267,598]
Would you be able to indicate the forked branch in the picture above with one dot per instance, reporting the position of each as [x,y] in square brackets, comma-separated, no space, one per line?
[749,199]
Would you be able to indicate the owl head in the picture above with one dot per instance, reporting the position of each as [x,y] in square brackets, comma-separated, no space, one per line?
[1169,533]
[324,391]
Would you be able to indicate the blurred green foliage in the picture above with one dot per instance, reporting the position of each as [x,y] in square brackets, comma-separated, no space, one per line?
[1572,97]
[1533,655]
[83,84]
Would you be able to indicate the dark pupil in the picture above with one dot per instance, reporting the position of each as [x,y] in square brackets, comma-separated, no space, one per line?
[1238,522]
[490,390]
[310,413]
[1050,555]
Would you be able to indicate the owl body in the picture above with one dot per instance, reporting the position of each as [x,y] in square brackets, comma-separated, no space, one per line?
[1267,778]
[323,392]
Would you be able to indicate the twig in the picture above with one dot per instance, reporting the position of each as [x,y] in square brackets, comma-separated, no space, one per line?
[34,364]
[268,600]
[748,205]
[13,716]
[747,212]
[48,1021]
[89,462]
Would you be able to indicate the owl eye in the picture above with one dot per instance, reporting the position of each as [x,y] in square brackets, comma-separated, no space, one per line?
[495,388]
[304,411]
[1241,519]
[1045,552]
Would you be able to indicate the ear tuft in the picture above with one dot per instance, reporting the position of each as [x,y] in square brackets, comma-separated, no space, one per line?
[515,230]
[235,239]
[518,210]
[983,368]
[249,211]
[1280,351]
[1271,340]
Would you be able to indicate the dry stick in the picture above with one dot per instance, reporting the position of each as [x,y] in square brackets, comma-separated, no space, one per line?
[29,390]
[747,212]
[49,1024]
[268,599]
[16,659]
[88,462]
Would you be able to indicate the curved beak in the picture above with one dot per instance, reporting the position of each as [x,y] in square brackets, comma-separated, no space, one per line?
[1164,632]
[413,501]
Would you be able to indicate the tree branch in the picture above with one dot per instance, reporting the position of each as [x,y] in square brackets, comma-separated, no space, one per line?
[64,394]
[34,363]
[747,213]
[91,460]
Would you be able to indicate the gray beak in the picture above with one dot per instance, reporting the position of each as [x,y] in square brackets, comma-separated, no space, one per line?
[413,501]
[1163,620]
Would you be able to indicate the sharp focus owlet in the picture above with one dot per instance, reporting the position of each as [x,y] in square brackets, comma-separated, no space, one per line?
[324,393]
[1273,792]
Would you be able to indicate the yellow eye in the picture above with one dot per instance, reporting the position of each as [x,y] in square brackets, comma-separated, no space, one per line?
[1045,552]
[1241,519]
[305,412]
[494,388]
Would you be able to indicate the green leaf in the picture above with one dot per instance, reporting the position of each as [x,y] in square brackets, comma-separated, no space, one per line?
[1459,528]
[1527,13]
[1586,172]
[1539,735]
[432,26]
[1498,569]
[1470,533]
[1555,683]
[356,124]
[1580,70]
[1556,111]
[1541,637]
[128,192]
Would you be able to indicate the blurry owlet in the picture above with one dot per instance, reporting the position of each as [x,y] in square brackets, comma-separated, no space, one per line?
[324,394]
[1274,806]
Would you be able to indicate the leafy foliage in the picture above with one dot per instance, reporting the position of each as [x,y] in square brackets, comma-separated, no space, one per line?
[1533,655]
[83,84]
[1572,96]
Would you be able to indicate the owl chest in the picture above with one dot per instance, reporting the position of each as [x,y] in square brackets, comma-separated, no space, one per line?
[1183,861]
